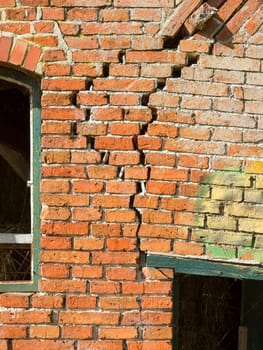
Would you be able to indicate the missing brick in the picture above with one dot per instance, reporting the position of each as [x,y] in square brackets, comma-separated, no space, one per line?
[142,158]
[176,72]
[106,70]
[173,42]
[122,57]
[73,130]
[145,99]
[105,157]
[89,84]
[91,142]
[88,114]
[161,84]
[73,99]
[143,129]
[121,172]
[192,59]
[154,114]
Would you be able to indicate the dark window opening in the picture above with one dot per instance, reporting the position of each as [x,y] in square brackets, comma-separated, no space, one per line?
[15,201]
[209,312]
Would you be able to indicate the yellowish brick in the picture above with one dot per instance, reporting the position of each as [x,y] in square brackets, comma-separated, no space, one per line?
[208,206]
[254,167]
[221,223]
[227,194]
[251,225]
[259,182]
[223,237]
[254,196]
[259,242]
[244,210]
[228,178]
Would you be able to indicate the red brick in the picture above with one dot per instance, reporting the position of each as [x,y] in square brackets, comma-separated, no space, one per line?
[157,333]
[159,158]
[44,331]
[86,214]
[136,173]
[142,201]
[121,273]
[43,344]
[18,52]
[57,99]
[155,245]
[136,85]
[85,14]
[62,84]
[62,286]
[111,28]
[156,318]
[48,302]
[87,186]
[56,242]
[142,14]
[161,187]
[29,316]
[54,271]
[117,42]
[162,231]
[114,15]
[106,230]
[126,187]
[89,317]
[65,228]
[63,114]
[146,3]
[118,333]
[185,248]
[119,303]
[5,46]
[77,332]
[12,332]
[87,271]
[100,345]
[113,258]
[64,256]
[57,69]
[124,158]
[176,20]
[157,302]
[150,345]
[9,300]
[126,244]
[81,302]
[128,70]
[142,115]
[66,171]
[104,287]
[53,13]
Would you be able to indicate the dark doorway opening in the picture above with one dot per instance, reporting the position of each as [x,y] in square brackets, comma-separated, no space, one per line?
[209,312]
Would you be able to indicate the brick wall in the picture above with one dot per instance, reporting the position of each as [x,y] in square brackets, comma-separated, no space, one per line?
[151,142]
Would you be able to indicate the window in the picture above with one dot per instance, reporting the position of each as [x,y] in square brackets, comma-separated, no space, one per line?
[19,180]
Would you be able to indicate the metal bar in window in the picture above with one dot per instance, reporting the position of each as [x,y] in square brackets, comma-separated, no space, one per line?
[15,238]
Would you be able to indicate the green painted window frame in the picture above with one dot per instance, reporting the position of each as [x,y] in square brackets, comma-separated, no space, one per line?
[32,83]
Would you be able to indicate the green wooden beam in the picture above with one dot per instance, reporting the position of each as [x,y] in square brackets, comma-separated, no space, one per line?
[205,267]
